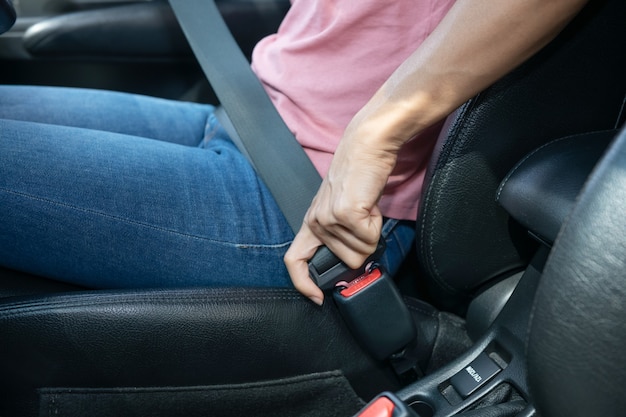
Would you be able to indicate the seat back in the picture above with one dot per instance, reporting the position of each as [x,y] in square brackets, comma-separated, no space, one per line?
[575,85]
[576,359]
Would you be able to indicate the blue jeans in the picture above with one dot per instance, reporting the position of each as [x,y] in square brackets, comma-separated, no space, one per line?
[113,190]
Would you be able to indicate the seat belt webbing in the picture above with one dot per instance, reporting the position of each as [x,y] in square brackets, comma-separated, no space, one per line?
[257,128]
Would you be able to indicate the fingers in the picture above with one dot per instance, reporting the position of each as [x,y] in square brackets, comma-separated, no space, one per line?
[344,216]
[351,236]
[342,240]
[296,259]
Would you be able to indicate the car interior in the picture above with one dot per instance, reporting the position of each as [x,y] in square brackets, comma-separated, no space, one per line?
[516,288]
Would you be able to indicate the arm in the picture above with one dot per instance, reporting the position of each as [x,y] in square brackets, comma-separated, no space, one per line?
[477,42]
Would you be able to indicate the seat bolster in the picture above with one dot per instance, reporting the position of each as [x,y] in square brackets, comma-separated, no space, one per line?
[465,240]
[168,338]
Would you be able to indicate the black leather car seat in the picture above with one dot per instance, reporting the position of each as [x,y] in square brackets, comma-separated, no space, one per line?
[575,85]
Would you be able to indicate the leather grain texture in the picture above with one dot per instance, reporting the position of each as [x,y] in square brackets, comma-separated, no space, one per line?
[576,360]
[171,338]
[541,190]
[574,85]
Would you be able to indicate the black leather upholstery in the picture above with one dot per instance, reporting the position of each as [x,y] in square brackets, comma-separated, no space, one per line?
[172,338]
[576,357]
[541,190]
[575,85]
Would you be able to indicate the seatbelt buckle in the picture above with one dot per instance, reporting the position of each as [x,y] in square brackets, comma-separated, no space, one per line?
[386,405]
[326,270]
[368,301]
[375,313]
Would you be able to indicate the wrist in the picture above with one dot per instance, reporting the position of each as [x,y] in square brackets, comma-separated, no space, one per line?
[388,121]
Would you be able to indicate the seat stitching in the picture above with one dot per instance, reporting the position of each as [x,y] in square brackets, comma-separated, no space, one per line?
[19,311]
[327,375]
[422,311]
[437,274]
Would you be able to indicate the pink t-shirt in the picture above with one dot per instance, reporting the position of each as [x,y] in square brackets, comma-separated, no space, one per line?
[327,60]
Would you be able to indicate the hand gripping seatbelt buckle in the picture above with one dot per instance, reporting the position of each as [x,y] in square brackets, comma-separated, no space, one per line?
[375,313]
[327,270]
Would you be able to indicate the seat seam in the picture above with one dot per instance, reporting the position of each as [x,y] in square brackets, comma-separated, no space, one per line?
[328,375]
[14,311]
[422,311]
[454,130]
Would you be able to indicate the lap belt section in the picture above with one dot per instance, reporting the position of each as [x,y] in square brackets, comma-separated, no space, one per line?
[367,297]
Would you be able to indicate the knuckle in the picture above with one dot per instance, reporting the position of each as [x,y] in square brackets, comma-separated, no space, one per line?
[325,220]
[289,258]
[343,212]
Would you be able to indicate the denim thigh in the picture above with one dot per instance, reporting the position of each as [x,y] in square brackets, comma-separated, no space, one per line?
[107,210]
[109,111]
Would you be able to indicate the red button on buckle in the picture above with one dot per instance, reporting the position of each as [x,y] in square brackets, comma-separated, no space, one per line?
[361,282]
[382,407]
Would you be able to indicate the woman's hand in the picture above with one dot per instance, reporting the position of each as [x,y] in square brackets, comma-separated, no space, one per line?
[343,215]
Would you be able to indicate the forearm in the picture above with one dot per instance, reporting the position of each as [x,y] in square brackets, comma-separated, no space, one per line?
[477,43]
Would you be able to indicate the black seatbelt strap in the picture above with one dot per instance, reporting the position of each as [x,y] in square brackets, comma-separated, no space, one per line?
[256,128]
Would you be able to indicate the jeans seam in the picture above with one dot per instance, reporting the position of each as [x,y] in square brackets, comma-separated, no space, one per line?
[210,130]
[389,226]
[149,226]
